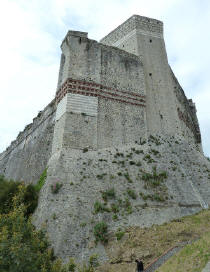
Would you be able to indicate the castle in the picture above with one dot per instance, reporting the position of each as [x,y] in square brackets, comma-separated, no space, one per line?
[111,95]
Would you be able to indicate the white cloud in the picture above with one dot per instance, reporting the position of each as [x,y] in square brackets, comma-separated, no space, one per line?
[32,31]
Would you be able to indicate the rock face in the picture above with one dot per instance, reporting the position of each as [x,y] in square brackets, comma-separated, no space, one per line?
[121,141]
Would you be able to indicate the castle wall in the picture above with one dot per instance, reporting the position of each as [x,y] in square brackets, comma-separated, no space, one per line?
[101,100]
[27,156]
[187,113]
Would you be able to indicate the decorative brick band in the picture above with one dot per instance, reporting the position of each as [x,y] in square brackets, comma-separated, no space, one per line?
[98,90]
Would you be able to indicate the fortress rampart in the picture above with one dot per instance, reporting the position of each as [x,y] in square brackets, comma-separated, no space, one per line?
[27,156]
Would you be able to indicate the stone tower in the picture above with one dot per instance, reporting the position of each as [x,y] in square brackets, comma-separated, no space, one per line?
[100,96]
[143,37]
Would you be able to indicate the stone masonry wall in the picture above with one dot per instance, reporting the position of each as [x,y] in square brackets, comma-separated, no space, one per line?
[101,100]
[27,156]
[187,113]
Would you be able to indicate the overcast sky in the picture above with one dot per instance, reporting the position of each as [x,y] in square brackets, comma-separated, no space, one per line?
[32,31]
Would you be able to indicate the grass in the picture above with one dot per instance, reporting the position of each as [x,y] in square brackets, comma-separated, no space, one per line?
[154,241]
[154,179]
[119,234]
[192,258]
[126,175]
[100,207]
[41,180]
[131,193]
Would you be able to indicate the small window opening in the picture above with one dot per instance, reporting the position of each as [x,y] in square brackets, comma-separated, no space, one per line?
[80,40]
[150,40]
[150,74]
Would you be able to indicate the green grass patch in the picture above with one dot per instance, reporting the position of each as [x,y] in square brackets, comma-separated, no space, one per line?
[192,258]
[41,180]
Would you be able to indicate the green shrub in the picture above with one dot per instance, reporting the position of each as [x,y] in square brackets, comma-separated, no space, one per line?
[119,234]
[127,206]
[152,197]
[131,193]
[93,260]
[100,232]
[142,142]
[158,197]
[115,208]
[154,179]
[148,158]
[139,151]
[144,197]
[154,140]
[126,175]
[108,194]
[101,176]
[8,189]
[23,249]
[155,152]
[30,200]
[100,207]
[71,266]
[163,174]
[114,217]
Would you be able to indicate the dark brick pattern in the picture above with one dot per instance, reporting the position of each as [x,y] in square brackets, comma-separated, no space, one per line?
[101,91]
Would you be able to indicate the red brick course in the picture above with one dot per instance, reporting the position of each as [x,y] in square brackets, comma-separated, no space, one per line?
[98,90]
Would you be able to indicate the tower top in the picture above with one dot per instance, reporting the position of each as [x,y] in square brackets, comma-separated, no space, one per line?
[146,25]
